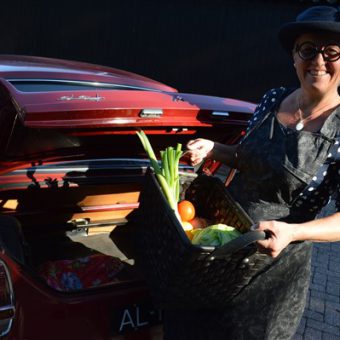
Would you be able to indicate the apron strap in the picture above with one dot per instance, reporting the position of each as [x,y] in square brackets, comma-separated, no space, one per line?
[269,103]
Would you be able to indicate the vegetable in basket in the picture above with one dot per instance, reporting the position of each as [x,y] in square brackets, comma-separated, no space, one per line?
[186,210]
[188,229]
[199,222]
[166,171]
[214,235]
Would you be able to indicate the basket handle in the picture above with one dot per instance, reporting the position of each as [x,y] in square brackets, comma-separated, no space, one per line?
[238,243]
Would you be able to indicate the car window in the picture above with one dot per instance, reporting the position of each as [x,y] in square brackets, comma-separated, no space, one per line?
[49,85]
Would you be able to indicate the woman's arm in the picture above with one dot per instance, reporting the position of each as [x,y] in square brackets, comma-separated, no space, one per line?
[200,148]
[326,229]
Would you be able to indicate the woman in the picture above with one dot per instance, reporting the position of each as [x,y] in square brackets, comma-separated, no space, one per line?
[288,168]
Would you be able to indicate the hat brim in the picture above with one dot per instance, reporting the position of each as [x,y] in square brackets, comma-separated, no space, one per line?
[291,31]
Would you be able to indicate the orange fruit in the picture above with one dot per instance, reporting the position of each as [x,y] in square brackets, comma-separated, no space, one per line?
[186,210]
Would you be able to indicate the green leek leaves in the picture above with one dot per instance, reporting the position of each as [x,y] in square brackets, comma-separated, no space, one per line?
[166,171]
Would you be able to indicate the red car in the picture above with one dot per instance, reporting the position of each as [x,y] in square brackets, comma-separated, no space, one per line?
[71,170]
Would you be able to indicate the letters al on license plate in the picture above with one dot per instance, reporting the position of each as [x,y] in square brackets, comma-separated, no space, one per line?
[135,317]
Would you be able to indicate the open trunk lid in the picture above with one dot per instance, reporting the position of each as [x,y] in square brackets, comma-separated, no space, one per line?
[44,119]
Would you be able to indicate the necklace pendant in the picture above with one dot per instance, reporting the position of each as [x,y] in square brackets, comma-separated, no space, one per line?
[299,126]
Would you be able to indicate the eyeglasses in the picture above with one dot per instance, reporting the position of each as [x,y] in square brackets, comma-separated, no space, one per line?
[308,51]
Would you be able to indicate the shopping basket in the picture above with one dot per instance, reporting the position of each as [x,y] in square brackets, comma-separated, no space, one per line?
[180,274]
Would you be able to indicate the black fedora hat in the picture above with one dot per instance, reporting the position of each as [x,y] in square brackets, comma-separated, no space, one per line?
[313,19]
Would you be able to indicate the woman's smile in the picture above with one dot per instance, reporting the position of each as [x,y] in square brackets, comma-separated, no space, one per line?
[317,73]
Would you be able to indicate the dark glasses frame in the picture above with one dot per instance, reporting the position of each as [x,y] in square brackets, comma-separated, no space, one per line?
[316,51]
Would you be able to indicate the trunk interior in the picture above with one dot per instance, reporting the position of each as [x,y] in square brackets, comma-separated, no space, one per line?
[76,210]
[66,223]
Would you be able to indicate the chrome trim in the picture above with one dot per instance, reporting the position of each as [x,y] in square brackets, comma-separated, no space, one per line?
[179,129]
[99,163]
[79,222]
[83,97]
[178,98]
[12,305]
[81,82]
[151,113]
[220,114]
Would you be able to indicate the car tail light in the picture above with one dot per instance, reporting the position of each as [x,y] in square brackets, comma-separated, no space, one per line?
[7,309]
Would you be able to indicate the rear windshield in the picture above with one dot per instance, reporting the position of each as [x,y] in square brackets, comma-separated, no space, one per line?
[68,85]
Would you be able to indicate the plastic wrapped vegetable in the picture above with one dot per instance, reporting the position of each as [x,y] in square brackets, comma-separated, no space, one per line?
[214,235]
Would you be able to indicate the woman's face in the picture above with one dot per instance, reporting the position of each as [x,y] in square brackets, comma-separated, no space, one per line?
[317,75]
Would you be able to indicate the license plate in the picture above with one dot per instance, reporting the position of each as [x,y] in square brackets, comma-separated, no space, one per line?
[135,317]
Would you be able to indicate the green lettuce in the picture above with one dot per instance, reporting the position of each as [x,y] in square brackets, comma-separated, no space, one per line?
[214,235]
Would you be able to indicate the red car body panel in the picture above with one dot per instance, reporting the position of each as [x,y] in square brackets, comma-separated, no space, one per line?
[74,123]
[121,110]
[41,313]
[27,67]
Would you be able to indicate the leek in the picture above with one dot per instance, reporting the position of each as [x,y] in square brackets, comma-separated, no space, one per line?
[166,170]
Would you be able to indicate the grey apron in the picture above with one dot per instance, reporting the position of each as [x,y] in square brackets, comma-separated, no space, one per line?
[275,165]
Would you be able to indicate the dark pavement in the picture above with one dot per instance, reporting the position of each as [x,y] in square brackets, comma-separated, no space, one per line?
[321,319]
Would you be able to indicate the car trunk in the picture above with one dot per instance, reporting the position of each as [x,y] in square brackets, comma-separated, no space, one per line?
[69,210]
[74,210]
[72,169]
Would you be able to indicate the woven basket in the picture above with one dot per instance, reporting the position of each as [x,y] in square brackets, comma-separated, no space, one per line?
[180,274]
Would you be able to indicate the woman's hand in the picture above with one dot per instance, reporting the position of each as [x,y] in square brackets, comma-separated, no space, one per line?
[198,149]
[279,234]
